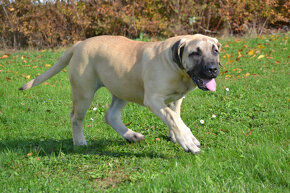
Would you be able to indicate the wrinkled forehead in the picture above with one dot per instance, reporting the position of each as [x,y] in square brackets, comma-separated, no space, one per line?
[205,44]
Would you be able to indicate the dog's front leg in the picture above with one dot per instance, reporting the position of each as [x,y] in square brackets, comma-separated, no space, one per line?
[175,124]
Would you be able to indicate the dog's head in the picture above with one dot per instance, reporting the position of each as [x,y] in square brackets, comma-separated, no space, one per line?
[199,57]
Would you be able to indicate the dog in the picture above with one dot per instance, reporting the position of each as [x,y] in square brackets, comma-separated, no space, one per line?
[154,74]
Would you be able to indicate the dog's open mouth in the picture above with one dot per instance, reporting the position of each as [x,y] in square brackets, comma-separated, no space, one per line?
[205,84]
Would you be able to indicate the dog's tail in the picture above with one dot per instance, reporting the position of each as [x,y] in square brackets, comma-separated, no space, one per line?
[56,68]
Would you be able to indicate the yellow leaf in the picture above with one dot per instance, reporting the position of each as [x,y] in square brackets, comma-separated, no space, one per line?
[29,154]
[228,56]
[261,46]
[247,74]
[27,77]
[47,65]
[34,67]
[11,9]
[261,56]
[251,52]
[43,51]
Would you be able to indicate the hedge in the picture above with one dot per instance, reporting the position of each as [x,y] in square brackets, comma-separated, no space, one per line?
[43,24]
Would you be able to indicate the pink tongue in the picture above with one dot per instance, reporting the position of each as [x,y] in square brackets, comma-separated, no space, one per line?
[210,84]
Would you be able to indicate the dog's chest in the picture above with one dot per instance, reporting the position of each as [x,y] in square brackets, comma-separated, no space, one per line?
[179,89]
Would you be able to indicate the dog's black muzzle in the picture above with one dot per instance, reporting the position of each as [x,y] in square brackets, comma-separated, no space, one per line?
[210,71]
[199,77]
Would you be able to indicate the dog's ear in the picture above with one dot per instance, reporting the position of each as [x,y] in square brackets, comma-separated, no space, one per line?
[177,52]
[219,45]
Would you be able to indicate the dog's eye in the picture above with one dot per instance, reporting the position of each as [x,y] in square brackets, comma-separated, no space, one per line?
[198,53]
[194,54]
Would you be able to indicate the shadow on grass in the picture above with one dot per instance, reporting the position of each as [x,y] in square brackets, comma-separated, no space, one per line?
[65,146]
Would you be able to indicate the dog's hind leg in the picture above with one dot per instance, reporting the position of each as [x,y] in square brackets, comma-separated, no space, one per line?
[113,118]
[81,102]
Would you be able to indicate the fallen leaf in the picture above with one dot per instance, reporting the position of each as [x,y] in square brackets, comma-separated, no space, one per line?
[127,124]
[27,77]
[46,83]
[251,52]
[245,46]
[260,57]
[277,62]
[29,154]
[157,139]
[8,79]
[47,65]
[261,46]
[27,65]
[4,56]
[226,46]
[247,74]
[254,56]
[269,57]
[238,70]
[34,67]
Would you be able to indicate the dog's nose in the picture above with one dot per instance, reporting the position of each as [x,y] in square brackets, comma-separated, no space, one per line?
[212,71]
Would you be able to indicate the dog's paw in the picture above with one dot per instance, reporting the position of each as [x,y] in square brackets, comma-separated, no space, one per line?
[188,142]
[172,136]
[80,143]
[188,145]
[132,136]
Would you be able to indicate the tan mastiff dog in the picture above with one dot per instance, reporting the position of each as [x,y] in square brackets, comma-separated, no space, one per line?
[157,75]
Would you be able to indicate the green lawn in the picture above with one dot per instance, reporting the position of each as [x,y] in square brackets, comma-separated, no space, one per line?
[245,148]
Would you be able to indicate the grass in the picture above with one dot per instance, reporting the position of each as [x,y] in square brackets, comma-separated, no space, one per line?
[245,148]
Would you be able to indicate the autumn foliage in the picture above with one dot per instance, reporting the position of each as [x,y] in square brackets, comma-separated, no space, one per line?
[42,24]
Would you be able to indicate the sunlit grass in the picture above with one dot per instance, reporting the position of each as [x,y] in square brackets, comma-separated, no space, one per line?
[245,146]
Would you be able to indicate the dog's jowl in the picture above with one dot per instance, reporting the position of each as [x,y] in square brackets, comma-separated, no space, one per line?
[157,75]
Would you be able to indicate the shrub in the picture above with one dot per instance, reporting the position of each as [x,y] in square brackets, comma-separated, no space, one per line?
[61,22]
